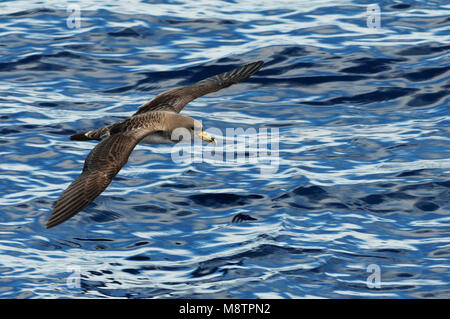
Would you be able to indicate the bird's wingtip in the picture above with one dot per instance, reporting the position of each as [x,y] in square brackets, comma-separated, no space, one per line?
[50,223]
[258,63]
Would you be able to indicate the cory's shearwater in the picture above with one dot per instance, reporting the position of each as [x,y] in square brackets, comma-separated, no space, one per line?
[153,122]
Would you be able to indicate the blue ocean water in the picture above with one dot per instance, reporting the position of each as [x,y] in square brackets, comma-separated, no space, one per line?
[358,206]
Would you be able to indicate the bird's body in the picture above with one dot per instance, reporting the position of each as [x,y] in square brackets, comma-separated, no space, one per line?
[153,123]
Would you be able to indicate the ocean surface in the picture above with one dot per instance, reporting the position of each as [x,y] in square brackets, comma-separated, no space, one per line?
[355,201]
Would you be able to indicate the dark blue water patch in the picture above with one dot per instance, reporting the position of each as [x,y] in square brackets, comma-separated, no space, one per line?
[10,66]
[214,265]
[111,61]
[34,62]
[445,184]
[5,131]
[442,252]
[427,99]
[184,212]
[282,54]
[308,80]
[223,200]
[131,271]
[373,199]
[126,88]
[94,239]
[67,55]
[181,204]
[399,195]
[423,49]
[177,185]
[312,193]
[138,244]
[426,206]
[138,258]
[416,172]
[371,65]
[32,12]
[427,186]
[47,104]
[102,216]
[62,129]
[425,74]
[102,288]
[399,199]
[380,95]
[150,209]
[283,70]
[401,6]
[125,32]
[198,23]
[42,66]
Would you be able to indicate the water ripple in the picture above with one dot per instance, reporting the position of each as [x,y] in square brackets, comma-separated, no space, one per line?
[361,179]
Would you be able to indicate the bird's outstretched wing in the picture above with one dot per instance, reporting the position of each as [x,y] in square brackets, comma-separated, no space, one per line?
[174,100]
[100,167]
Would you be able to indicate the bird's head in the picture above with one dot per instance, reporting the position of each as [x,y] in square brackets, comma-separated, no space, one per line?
[185,128]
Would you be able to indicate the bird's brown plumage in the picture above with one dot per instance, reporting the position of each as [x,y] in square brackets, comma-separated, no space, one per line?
[108,157]
[119,139]
[177,98]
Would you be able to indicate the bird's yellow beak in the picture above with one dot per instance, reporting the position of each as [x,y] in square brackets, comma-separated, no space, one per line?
[207,138]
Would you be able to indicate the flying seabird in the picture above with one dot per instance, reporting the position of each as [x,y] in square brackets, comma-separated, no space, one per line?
[154,122]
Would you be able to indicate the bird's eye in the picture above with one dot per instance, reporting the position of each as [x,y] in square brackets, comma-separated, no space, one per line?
[192,128]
